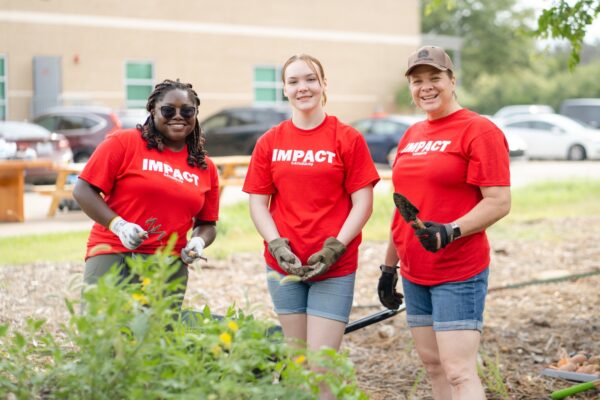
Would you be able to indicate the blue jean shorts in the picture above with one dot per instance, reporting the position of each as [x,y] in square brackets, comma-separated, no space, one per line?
[450,306]
[330,298]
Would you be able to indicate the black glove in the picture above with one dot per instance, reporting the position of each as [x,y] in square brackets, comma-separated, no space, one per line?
[386,288]
[429,236]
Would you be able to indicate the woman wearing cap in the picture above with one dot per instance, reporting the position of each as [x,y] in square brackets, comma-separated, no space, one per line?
[454,168]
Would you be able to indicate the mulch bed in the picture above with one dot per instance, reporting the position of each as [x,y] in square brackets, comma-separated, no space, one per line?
[527,326]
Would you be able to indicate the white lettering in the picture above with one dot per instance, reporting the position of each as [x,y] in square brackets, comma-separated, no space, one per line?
[309,157]
[320,156]
[154,165]
[284,155]
[177,175]
[297,155]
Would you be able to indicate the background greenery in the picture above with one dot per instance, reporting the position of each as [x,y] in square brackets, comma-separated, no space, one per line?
[502,60]
[236,233]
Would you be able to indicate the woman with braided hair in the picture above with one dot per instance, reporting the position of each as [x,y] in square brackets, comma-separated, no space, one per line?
[143,185]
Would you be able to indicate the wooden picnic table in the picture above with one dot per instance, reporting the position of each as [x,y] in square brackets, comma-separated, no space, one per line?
[12,187]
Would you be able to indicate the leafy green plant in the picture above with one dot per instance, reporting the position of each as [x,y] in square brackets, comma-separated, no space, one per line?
[492,378]
[131,342]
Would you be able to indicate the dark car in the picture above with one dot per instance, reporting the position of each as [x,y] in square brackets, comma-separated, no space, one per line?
[234,131]
[84,127]
[33,141]
[382,134]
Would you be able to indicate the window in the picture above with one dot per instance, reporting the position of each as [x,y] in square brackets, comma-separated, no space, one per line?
[268,88]
[139,78]
[3,102]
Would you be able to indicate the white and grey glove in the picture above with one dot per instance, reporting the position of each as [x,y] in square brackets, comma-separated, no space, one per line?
[193,250]
[130,234]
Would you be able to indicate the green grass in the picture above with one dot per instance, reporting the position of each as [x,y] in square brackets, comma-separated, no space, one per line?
[236,231]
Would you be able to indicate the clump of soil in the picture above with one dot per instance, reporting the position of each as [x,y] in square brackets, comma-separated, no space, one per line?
[535,315]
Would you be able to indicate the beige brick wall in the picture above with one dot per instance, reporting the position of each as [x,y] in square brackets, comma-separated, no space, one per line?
[214,45]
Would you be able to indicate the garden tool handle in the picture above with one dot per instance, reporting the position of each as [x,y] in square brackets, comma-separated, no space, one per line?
[561,394]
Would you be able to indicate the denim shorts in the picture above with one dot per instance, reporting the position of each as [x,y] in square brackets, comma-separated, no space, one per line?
[330,298]
[450,306]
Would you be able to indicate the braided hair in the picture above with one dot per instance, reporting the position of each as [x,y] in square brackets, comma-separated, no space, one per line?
[154,138]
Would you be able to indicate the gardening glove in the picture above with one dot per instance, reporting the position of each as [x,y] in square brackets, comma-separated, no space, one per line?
[193,250]
[320,262]
[428,236]
[288,261]
[130,234]
[386,288]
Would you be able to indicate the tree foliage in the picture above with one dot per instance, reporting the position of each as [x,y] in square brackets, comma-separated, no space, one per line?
[568,21]
[496,38]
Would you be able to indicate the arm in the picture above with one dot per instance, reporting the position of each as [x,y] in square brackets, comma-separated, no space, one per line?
[89,199]
[263,221]
[391,255]
[494,206]
[277,246]
[362,208]
[207,232]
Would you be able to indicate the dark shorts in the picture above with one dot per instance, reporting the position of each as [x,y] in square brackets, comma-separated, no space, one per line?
[97,266]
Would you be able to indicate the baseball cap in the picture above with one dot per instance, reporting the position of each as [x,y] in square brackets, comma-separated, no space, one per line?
[430,55]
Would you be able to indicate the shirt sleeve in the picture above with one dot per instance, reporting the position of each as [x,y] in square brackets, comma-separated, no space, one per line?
[489,163]
[210,210]
[103,167]
[359,166]
[259,179]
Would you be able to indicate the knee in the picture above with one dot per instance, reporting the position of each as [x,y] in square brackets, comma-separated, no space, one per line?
[433,366]
[458,374]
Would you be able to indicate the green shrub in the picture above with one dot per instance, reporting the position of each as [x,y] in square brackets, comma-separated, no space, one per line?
[131,342]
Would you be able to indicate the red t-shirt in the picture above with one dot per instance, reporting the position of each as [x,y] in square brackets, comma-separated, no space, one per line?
[141,184]
[310,175]
[439,167]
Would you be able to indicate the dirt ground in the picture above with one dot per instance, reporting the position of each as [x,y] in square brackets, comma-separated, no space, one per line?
[527,327]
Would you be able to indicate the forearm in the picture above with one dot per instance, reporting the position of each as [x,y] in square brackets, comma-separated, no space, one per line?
[92,203]
[208,233]
[391,255]
[263,221]
[362,208]
[494,206]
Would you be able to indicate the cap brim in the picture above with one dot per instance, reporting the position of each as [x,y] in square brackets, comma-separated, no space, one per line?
[434,65]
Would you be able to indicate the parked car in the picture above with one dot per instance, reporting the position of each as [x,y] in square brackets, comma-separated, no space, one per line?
[517,147]
[554,136]
[131,117]
[382,134]
[234,131]
[84,127]
[583,110]
[8,149]
[33,141]
[520,109]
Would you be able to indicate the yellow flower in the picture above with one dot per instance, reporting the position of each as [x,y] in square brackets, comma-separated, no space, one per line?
[225,338]
[233,326]
[145,282]
[140,298]
[300,359]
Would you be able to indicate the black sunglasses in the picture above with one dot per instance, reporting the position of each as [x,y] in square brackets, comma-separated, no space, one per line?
[169,112]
